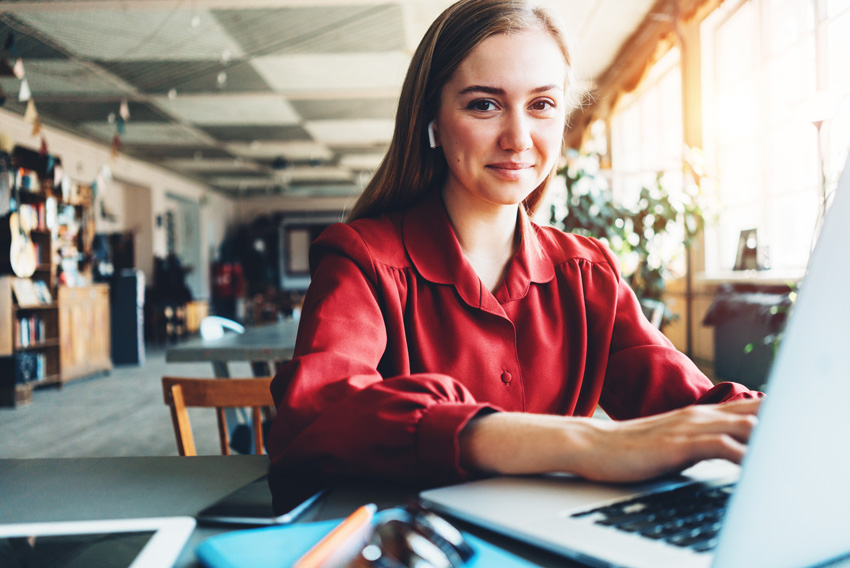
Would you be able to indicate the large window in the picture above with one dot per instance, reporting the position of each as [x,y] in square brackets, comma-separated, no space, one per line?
[775,73]
[646,140]
[646,130]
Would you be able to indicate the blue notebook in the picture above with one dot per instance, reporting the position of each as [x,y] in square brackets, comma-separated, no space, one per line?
[278,547]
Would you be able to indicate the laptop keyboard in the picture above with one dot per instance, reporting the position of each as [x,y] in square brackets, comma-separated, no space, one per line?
[687,516]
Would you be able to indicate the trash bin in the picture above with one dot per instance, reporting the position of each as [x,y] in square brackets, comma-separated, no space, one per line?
[747,320]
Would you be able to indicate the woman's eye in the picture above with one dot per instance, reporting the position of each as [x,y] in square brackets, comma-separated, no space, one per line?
[542,105]
[482,105]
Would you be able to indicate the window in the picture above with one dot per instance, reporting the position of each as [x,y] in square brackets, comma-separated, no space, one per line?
[646,130]
[646,140]
[767,67]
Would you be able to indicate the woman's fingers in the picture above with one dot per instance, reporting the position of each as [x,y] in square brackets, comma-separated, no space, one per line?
[738,423]
[746,406]
[715,446]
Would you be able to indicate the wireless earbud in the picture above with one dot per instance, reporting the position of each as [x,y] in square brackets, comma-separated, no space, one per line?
[431,137]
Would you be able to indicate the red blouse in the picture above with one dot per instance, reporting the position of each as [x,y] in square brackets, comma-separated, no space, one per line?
[400,345]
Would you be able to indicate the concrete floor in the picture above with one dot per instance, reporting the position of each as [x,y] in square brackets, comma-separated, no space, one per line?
[119,414]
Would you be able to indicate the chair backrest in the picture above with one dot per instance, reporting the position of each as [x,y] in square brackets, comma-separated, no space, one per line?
[180,393]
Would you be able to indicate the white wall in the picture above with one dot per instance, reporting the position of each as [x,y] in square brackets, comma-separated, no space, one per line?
[83,160]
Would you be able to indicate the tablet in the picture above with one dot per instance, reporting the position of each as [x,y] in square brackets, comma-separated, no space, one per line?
[121,543]
[252,505]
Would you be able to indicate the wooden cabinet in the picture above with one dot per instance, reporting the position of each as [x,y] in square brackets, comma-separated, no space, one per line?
[84,334]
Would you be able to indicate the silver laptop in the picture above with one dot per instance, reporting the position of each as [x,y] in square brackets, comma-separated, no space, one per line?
[790,505]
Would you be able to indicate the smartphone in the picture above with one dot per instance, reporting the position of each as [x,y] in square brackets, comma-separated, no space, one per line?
[252,505]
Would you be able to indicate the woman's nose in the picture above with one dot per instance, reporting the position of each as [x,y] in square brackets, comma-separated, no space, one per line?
[516,133]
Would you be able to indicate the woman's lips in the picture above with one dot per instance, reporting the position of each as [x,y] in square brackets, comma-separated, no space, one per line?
[510,170]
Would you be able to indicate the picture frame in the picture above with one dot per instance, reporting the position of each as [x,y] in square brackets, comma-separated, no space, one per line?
[748,251]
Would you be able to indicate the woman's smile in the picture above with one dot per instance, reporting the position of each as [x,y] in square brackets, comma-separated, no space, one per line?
[511,170]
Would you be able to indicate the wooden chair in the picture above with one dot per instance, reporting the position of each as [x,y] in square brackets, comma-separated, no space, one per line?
[181,392]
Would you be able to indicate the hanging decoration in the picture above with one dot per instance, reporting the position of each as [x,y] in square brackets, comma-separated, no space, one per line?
[116,146]
[25,94]
[120,122]
[104,175]
[30,114]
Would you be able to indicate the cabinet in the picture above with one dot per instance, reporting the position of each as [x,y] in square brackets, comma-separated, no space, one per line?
[84,334]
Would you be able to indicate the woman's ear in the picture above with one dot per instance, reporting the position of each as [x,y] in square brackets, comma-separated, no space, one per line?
[432,136]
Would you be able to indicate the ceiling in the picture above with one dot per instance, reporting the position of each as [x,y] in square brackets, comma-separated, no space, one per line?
[249,97]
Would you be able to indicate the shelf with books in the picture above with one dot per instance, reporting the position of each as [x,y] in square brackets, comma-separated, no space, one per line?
[29,324]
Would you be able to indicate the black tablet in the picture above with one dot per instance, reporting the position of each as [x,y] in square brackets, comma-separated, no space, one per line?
[252,505]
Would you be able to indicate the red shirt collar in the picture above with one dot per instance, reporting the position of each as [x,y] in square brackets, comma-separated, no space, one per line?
[435,251]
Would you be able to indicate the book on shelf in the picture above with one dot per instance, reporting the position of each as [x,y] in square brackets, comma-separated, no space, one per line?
[30,330]
[25,292]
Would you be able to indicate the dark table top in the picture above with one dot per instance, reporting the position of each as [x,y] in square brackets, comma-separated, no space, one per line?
[273,342]
[64,489]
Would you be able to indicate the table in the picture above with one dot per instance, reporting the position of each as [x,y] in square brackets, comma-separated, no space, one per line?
[267,343]
[263,346]
[64,489]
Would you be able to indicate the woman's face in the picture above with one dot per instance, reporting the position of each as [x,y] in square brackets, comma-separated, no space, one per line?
[501,118]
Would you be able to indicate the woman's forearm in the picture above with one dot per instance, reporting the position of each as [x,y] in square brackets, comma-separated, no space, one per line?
[630,450]
[521,443]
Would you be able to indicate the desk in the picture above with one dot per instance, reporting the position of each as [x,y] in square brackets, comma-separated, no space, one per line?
[118,488]
[275,342]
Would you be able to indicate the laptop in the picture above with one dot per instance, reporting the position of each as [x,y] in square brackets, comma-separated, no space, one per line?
[787,505]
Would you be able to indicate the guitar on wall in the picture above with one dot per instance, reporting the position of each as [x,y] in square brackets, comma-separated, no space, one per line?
[14,233]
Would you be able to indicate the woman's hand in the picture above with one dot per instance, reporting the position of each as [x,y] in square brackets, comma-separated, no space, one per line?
[643,448]
[601,450]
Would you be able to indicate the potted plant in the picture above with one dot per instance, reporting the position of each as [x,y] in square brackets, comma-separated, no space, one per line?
[648,237]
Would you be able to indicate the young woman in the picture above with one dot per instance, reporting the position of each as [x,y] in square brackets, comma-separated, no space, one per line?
[446,336]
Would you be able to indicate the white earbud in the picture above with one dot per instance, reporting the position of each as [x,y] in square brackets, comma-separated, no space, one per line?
[431,137]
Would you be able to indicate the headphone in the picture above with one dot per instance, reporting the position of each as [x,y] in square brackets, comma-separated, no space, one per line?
[432,140]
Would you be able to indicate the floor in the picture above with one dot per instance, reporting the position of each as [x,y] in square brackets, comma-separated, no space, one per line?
[119,414]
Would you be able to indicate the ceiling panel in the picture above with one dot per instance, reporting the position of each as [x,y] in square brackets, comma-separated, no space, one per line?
[145,133]
[251,133]
[215,166]
[303,150]
[64,77]
[188,76]
[161,153]
[27,44]
[230,110]
[338,73]
[321,29]
[77,112]
[347,108]
[362,131]
[182,33]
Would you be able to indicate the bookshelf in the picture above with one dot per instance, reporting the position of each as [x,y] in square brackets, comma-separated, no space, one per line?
[51,321]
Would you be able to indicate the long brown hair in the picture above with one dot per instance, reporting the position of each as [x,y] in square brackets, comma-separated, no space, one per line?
[411,168]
